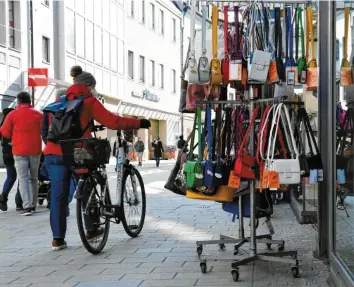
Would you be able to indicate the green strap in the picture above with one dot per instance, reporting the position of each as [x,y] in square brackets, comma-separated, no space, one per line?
[296,37]
[299,13]
[191,148]
[199,127]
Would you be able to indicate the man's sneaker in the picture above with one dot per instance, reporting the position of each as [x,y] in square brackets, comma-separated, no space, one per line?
[19,208]
[59,244]
[26,212]
[94,234]
[33,209]
[3,203]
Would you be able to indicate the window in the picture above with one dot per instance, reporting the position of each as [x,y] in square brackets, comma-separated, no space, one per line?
[14,25]
[114,53]
[2,24]
[120,19]
[161,23]
[89,9]
[114,26]
[46,49]
[121,57]
[80,35]
[173,30]
[46,2]
[98,11]
[152,73]
[130,65]
[131,12]
[173,81]
[161,77]
[152,6]
[106,48]
[142,11]
[142,69]
[105,11]
[70,31]
[98,45]
[89,40]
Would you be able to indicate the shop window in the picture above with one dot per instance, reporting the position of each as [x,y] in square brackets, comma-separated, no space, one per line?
[131,65]
[105,11]
[114,53]
[142,69]
[89,9]
[162,23]
[114,25]
[98,11]
[121,57]
[153,25]
[14,25]
[45,49]
[106,49]
[152,73]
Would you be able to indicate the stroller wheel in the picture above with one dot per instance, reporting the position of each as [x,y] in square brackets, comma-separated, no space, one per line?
[40,201]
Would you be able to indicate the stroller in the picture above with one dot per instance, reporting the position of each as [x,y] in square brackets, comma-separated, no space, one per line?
[43,184]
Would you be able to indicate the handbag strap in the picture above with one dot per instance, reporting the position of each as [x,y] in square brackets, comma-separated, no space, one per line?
[191,147]
[218,122]
[278,33]
[309,132]
[289,35]
[275,124]
[264,131]
[310,34]
[299,31]
[192,30]
[214,19]
[262,127]
[244,141]
[236,48]
[204,13]
[226,29]
[199,127]
[228,130]
[346,29]
[210,132]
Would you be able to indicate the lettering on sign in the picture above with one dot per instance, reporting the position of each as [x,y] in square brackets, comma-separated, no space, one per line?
[37,77]
[147,95]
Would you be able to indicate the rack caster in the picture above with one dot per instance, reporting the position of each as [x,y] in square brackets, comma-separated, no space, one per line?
[199,250]
[295,271]
[203,267]
[281,247]
[235,275]
[222,246]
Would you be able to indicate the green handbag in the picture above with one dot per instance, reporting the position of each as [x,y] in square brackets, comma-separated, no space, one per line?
[194,169]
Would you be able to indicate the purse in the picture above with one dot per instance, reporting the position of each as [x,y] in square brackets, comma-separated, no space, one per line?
[184,85]
[192,63]
[235,65]
[312,70]
[194,169]
[225,62]
[301,62]
[203,64]
[345,70]
[290,65]
[215,67]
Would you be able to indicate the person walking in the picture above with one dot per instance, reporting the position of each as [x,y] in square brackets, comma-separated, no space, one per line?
[158,150]
[59,172]
[23,127]
[139,148]
[11,174]
[180,144]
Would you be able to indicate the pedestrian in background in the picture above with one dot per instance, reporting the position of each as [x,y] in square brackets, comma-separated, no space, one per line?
[139,148]
[23,127]
[9,162]
[158,150]
[180,144]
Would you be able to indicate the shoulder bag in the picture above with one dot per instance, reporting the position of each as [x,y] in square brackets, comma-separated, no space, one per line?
[215,67]
[301,62]
[192,63]
[225,62]
[203,65]
[345,70]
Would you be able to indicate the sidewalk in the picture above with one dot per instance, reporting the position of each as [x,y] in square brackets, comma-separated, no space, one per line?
[164,254]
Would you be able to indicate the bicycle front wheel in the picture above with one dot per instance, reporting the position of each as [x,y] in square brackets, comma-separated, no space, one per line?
[93,226]
[133,202]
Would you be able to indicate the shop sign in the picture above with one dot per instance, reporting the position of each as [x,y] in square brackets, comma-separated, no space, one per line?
[37,77]
[147,95]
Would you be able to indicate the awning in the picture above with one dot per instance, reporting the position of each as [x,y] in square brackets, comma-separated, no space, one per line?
[130,109]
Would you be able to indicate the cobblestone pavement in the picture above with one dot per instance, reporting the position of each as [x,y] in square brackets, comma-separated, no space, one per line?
[164,254]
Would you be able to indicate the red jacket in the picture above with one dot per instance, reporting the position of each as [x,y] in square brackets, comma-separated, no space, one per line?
[92,108]
[23,127]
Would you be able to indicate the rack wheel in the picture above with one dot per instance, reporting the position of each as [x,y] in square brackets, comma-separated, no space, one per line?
[295,271]
[199,250]
[222,246]
[281,247]
[203,267]
[269,246]
[40,201]
[235,275]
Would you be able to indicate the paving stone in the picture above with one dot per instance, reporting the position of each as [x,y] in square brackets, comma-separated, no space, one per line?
[120,283]
[138,270]
[168,283]
[42,279]
[94,278]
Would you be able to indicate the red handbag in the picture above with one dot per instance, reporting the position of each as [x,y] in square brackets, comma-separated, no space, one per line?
[225,62]
[245,164]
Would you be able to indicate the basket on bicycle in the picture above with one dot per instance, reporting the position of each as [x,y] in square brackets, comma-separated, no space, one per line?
[86,152]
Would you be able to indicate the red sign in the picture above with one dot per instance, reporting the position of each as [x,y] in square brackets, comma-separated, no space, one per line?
[37,77]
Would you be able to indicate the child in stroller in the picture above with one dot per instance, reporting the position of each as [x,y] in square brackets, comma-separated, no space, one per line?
[43,183]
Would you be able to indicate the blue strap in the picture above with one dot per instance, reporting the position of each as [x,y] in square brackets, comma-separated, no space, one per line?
[210,132]
[278,33]
[287,31]
[289,35]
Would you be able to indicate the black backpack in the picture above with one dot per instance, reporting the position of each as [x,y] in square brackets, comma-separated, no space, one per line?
[65,122]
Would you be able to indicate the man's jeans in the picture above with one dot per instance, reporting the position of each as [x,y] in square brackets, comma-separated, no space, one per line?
[27,172]
[11,176]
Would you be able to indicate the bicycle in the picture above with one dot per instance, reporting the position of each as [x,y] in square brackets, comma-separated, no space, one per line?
[94,208]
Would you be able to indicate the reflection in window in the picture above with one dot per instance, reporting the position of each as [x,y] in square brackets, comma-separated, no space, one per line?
[152,7]
[105,11]
[98,11]
[152,73]
[14,25]
[114,19]
[162,22]
[142,11]
[173,81]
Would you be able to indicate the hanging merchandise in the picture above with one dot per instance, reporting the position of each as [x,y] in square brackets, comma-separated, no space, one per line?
[312,69]
[259,58]
[301,62]
[184,85]
[345,69]
[290,65]
[193,168]
[208,165]
[278,74]
[227,138]
[215,68]
[225,62]
[219,166]
[192,64]
[203,65]
[235,73]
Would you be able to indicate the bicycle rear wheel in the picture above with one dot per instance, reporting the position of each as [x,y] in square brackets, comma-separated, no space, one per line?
[133,202]
[93,226]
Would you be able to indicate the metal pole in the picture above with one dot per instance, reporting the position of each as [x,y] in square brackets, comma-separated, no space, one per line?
[31,40]
[327,130]
[182,63]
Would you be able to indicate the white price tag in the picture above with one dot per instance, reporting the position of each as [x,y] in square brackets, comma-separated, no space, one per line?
[235,70]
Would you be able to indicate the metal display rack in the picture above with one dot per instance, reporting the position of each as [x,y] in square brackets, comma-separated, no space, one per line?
[281,255]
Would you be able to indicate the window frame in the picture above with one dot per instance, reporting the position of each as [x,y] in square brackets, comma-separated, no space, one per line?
[142,12]
[46,42]
[142,78]
[153,73]
[153,17]
[161,76]
[174,82]
[161,23]
[174,30]
[130,59]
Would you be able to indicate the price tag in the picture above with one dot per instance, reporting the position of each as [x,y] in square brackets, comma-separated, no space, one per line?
[312,78]
[273,73]
[320,175]
[235,72]
[234,180]
[340,176]
[265,179]
[346,76]
[313,176]
[291,75]
[273,180]
[303,77]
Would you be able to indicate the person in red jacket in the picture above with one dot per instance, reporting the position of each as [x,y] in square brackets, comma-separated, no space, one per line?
[59,173]
[23,127]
